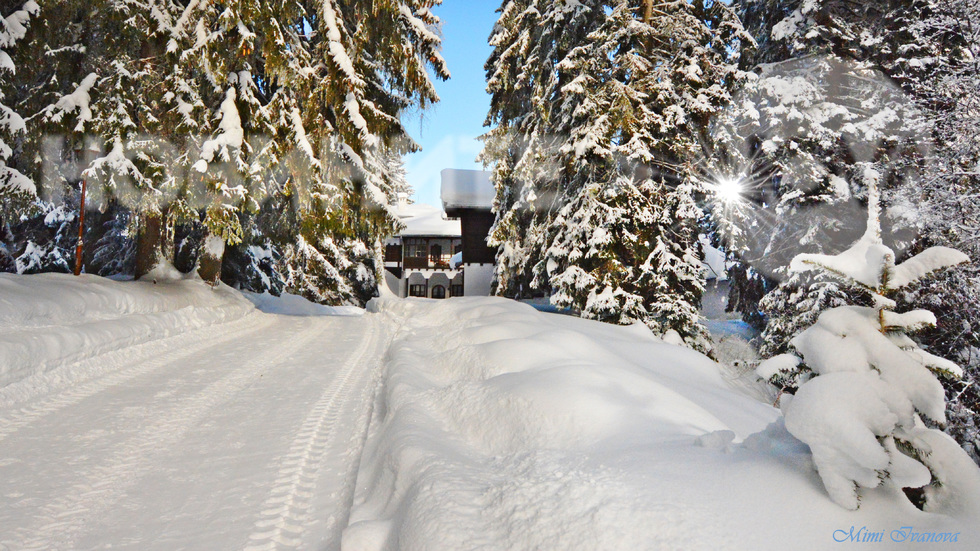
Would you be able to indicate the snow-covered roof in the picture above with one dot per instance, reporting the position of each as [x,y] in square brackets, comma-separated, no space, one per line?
[422,219]
[466,189]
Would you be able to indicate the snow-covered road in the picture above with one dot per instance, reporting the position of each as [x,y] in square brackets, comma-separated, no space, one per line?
[242,435]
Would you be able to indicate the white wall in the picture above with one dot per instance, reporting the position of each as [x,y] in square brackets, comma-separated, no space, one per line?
[477,279]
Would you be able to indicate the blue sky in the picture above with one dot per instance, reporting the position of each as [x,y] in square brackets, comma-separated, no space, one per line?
[447,131]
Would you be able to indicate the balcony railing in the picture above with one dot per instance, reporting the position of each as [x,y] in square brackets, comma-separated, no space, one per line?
[427,262]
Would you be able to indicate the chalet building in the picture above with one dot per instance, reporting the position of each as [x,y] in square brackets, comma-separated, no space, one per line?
[467,195]
[444,254]
[419,260]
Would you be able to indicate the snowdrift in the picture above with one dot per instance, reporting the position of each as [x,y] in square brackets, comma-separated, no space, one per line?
[500,427]
[51,320]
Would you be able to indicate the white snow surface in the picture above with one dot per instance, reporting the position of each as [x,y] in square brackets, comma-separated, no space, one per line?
[500,427]
[171,415]
[49,320]
[229,428]
[293,305]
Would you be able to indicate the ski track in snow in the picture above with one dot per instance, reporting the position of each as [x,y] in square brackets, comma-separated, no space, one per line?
[290,504]
[62,519]
[142,358]
[150,398]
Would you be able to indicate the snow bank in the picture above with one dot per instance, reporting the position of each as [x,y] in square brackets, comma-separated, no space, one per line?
[500,427]
[49,320]
[294,305]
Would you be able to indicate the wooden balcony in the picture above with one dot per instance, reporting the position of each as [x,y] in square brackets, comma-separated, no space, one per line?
[427,262]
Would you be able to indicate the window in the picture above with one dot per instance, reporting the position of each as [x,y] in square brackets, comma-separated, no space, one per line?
[438,292]
[415,247]
[416,291]
[436,253]
[456,290]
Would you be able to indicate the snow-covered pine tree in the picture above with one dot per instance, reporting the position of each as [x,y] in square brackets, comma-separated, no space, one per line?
[200,111]
[96,90]
[866,385]
[319,118]
[14,185]
[228,170]
[940,67]
[929,50]
[372,62]
[530,38]
[794,306]
[823,107]
[599,110]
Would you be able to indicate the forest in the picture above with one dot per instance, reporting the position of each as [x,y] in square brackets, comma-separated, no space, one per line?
[260,143]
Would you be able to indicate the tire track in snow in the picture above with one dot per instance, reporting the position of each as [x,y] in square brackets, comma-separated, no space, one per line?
[99,489]
[289,507]
[152,356]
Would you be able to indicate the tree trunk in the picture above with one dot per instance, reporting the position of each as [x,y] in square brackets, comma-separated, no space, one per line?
[149,242]
[210,259]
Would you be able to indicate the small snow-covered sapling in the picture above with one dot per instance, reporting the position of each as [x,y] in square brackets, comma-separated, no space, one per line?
[866,383]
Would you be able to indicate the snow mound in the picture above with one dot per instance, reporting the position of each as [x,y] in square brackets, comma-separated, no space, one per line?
[502,427]
[50,320]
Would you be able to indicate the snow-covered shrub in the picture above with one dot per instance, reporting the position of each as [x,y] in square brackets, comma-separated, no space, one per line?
[865,384]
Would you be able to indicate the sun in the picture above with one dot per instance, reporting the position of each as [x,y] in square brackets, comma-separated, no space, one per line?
[729,190]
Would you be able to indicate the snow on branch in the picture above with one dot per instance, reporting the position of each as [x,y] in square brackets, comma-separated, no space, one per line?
[79,101]
[232,135]
[923,264]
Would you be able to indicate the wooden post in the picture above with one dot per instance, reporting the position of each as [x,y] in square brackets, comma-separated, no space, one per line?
[80,247]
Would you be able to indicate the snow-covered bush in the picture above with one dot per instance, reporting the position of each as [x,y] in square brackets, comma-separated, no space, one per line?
[866,384]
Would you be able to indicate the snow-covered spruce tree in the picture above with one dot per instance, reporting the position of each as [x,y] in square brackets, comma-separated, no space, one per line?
[228,167]
[14,185]
[319,118]
[795,305]
[825,104]
[530,38]
[865,383]
[373,62]
[596,198]
[941,68]
[193,114]
[90,104]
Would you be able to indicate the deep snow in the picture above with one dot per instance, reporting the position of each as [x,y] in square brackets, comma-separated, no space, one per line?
[505,428]
[171,415]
